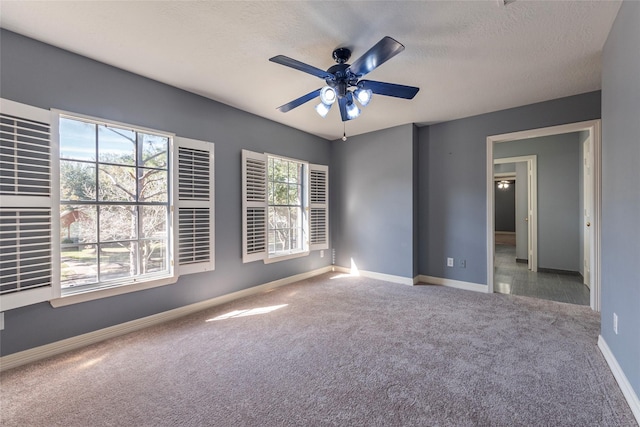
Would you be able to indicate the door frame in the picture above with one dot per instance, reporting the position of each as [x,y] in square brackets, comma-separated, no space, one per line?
[532,205]
[587,208]
[594,129]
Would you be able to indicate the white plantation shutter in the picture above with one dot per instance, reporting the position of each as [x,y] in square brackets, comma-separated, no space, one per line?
[318,207]
[254,206]
[26,208]
[194,180]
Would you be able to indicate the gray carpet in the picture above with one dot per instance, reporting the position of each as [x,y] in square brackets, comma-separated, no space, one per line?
[344,352]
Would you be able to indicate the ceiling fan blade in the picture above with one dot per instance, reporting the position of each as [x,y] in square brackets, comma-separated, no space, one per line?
[299,101]
[380,53]
[389,89]
[342,103]
[301,66]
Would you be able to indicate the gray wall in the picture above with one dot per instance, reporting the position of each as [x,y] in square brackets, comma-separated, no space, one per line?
[621,191]
[452,180]
[519,169]
[505,207]
[373,201]
[38,74]
[504,168]
[559,220]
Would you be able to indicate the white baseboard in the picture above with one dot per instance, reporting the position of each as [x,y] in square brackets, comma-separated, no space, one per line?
[378,276]
[628,392]
[38,353]
[467,286]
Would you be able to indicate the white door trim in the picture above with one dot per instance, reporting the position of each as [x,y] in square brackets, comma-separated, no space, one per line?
[532,206]
[594,129]
[587,209]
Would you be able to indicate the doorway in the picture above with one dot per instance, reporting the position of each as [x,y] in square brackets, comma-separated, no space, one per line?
[589,179]
[525,177]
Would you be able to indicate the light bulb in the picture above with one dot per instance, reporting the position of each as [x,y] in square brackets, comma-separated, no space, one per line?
[363,96]
[352,109]
[323,109]
[328,95]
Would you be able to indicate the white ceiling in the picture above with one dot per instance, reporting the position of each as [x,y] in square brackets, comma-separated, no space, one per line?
[467,57]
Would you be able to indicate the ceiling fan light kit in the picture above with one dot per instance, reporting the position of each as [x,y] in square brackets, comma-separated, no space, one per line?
[503,185]
[363,96]
[343,81]
[327,95]
[352,109]
[323,109]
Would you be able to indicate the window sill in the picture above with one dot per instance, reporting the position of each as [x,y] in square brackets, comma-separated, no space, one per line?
[278,258]
[112,291]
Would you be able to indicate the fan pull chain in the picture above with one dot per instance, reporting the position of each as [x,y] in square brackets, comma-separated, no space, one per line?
[344,131]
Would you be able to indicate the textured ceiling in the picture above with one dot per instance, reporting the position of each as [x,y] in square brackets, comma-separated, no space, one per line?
[467,57]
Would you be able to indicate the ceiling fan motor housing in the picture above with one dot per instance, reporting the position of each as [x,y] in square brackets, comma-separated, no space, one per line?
[341,55]
[340,82]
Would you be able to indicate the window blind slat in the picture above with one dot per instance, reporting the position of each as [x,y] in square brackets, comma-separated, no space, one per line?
[195,184]
[319,207]
[254,206]
[25,206]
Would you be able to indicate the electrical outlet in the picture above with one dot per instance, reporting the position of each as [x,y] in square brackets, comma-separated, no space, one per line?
[2,321]
[449,262]
[615,323]
[321,254]
[462,263]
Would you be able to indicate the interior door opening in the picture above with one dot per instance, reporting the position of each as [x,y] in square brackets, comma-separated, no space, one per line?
[524,173]
[582,260]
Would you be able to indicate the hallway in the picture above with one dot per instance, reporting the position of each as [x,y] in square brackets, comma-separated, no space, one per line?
[514,278]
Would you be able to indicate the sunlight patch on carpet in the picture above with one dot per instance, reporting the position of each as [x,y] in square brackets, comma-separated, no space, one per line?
[249,312]
[90,363]
[354,272]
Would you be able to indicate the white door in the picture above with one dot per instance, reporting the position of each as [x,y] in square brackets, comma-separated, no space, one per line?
[532,163]
[530,205]
[587,183]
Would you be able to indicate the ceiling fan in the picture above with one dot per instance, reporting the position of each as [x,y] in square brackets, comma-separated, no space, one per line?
[343,80]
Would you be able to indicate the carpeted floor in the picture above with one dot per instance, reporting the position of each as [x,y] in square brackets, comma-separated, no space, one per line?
[336,351]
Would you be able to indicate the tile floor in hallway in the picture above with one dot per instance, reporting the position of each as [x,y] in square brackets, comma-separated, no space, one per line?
[514,278]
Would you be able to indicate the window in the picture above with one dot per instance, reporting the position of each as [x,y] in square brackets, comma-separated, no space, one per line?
[286,228]
[114,204]
[285,207]
[91,209]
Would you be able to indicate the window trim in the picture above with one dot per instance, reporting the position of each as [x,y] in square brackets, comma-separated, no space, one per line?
[125,288]
[56,113]
[284,257]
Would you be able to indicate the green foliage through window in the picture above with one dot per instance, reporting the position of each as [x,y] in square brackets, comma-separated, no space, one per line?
[285,212]
[114,203]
